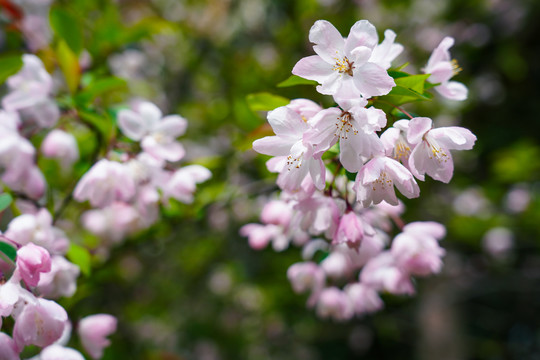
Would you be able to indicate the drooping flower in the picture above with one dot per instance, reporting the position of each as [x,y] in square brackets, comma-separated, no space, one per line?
[307,276]
[364,299]
[157,133]
[442,69]
[334,303]
[416,250]
[382,274]
[342,67]
[93,331]
[289,127]
[375,182]
[431,154]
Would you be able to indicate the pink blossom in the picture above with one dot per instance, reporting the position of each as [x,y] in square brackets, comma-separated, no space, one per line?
[157,134]
[277,212]
[289,127]
[375,182]
[106,182]
[93,331]
[416,250]
[334,303]
[32,260]
[431,154]
[29,92]
[343,66]
[58,352]
[307,276]
[9,295]
[498,242]
[382,274]
[182,184]
[319,214]
[37,228]
[350,231]
[337,265]
[442,69]
[304,107]
[8,349]
[364,299]
[113,222]
[37,31]
[61,145]
[61,280]
[40,323]
[354,127]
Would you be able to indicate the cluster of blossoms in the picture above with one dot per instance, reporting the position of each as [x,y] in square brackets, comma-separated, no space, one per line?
[124,189]
[349,216]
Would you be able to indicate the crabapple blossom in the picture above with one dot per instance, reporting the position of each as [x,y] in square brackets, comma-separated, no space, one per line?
[442,69]
[93,331]
[301,159]
[32,260]
[334,303]
[182,183]
[375,182]
[342,67]
[345,227]
[61,280]
[431,154]
[8,349]
[29,93]
[145,123]
[62,146]
[40,323]
[9,295]
[104,183]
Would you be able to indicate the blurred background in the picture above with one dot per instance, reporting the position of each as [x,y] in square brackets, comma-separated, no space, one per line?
[191,288]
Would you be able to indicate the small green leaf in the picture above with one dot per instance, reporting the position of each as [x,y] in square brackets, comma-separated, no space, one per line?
[296,80]
[265,101]
[5,201]
[67,28]
[80,256]
[9,65]
[100,87]
[70,65]
[415,82]
[397,74]
[8,250]
[408,89]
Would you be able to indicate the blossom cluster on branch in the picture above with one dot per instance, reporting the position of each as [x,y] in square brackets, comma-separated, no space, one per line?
[339,167]
[127,176]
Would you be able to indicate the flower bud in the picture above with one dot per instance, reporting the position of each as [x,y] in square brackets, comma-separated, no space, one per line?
[32,260]
[93,331]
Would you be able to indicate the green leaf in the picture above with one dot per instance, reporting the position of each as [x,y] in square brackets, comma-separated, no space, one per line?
[69,63]
[81,257]
[8,250]
[265,101]
[9,65]
[294,80]
[408,89]
[100,87]
[67,28]
[414,82]
[5,201]
[397,74]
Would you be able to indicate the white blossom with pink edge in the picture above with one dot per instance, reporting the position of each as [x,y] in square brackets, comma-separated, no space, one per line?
[93,331]
[431,154]
[157,134]
[343,66]
[61,145]
[442,69]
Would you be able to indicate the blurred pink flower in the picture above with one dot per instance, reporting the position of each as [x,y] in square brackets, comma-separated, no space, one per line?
[93,331]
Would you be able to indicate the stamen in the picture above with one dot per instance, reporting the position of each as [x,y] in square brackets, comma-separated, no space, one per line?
[344,66]
[456,69]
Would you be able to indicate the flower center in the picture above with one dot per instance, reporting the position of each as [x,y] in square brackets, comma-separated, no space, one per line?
[344,125]
[456,69]
[344,66]
[382,182]
[437,152]
[294,162]
[401,149]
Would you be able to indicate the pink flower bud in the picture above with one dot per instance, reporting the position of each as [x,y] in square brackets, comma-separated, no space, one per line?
[32,260]
[364,298]
[61,145]
[93,331]
[350,231]
[40,323]
[277,213]
[8,349]
[335,304]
